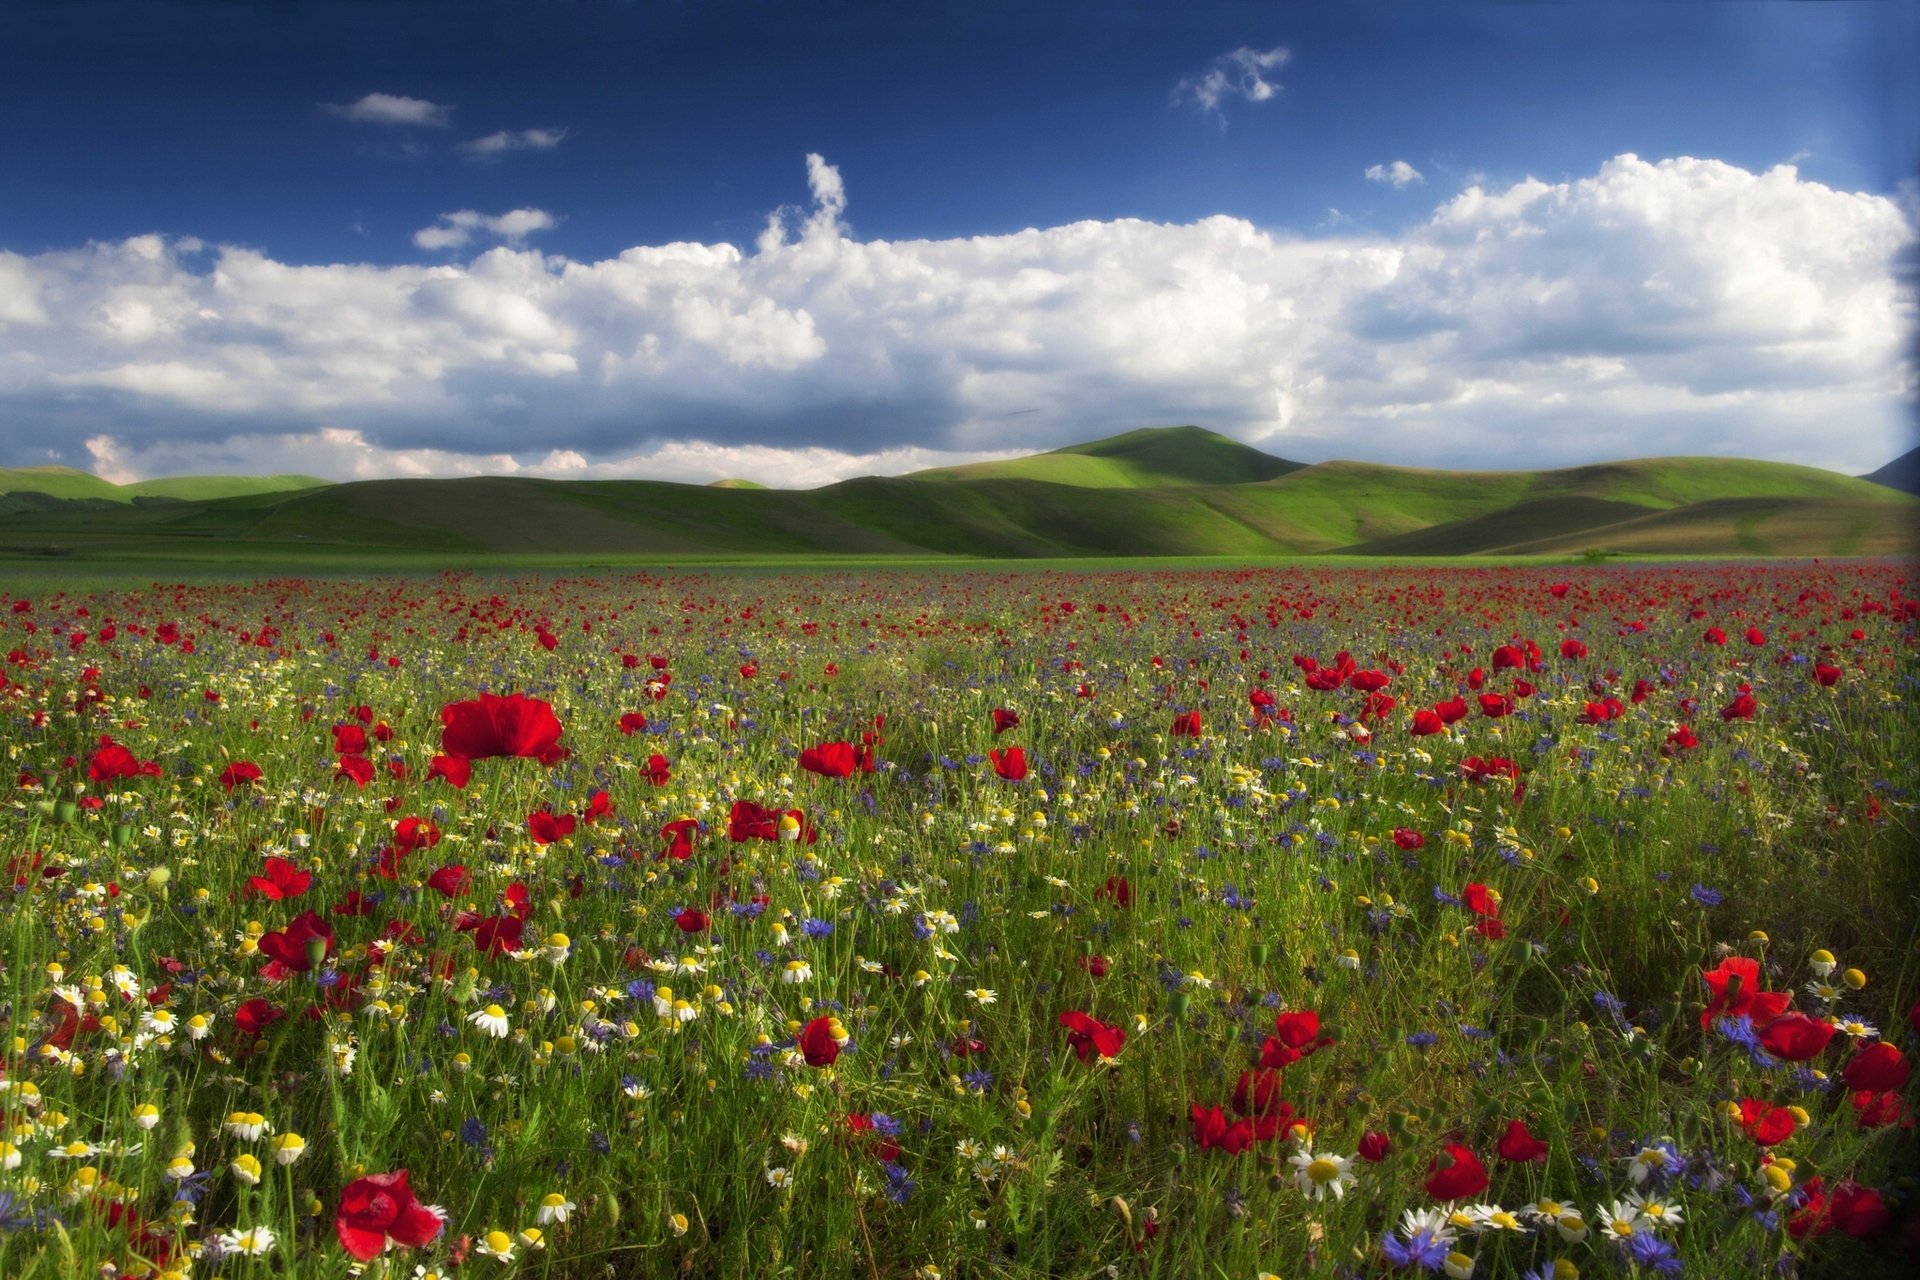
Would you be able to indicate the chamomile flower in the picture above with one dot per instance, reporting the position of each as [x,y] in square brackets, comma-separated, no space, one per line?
[1317,1174]
[246,1125]
[246,1167]
[252,1242]
[982,995]
[287,1148]
[1618,1220]
[796,972]
[493,1021]
[780,1177]
[554,1207]
[1655,1210]
[495,1244]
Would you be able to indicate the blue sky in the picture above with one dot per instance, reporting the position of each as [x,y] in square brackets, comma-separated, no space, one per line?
[192,189]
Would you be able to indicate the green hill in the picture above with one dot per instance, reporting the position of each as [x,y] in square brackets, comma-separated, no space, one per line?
[68,485]
[1677,506]
[1150,458]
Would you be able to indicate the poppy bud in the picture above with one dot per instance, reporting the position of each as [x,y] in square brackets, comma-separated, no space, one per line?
[64,812]
[1178,1002]
[1257,954]
[316,951]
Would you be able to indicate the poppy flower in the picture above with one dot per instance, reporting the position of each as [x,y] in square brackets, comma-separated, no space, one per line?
[1010,764]
[545,826]
[303,944]
[379,1211]
[1116,890]
[692,920]
[829,759]
[818,1043]
[1795,1037]
[1258,1093]
[1828,676]
[1572,649]
[491,726]
[1451,711]
[599,805]
[1427,722]
[679,837]
[281,880]
[113,760]
[1495,705]
[1559,589]
[659,769]
[1481,900]
[1088,1036]
[1521,1147]
[633,722]
[1858,1211]
[1369,681]
[1186,725]
[451,880]
[1096,966]
[349,740]
[1876,1068]
[1456,1174]
[1409,839]
[355,769]
[455,771]
[1735,988]
[1741,708]
[1004,720]
[1681,739]
[415,833]
[238,773]
[254,1016]
[1212,1130]
[1375,1146]
[1879,1110]
[1765,1123]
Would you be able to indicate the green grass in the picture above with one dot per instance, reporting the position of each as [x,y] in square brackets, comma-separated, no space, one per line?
[1151,493]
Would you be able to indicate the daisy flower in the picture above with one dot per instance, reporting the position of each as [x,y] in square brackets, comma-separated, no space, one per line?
[493,1021]
[554,1207]
[1317,1174]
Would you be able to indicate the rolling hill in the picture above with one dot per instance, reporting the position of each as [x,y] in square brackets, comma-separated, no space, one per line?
[1157,492]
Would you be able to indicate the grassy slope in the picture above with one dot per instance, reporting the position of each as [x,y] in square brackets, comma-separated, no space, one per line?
[1152,457]
[67,484]
[1648,506]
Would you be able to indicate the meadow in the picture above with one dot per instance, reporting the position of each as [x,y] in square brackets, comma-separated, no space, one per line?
[1287,921]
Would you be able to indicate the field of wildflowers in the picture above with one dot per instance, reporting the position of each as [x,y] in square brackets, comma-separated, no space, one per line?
[1499,922]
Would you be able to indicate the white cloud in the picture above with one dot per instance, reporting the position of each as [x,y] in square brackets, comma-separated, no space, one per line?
[1685,306]
[454,230]
[1397,174]
[497,144]
[390,108]
[1241,73]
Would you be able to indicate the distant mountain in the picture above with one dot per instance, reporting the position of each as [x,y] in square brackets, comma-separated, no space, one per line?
[1176,491]
[1903,473]
[1150,458]
[69,485]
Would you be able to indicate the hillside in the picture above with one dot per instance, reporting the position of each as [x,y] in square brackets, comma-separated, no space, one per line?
[1150,458]
[69,485]
[1903,473]
[1651,506]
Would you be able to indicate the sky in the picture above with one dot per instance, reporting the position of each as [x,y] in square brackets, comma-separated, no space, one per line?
[799,242]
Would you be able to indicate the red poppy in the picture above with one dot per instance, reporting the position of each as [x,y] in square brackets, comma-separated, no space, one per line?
[1456,1174]
[1765,1123]
[692,920]
[355,769]
[1879,1110]
[451,880]
[817,1044]
[1088,1036]
[282,880]
[490,726]
[1452,711]
[1521,1147]
[379,1211]
[1427,723]
[1004,720]
[1509,657]
[679,837]
[1481,901]
[1408,838]
[1258,1093]
[546,826]
[349,740]
[1828,676]
[1369,681]
[1735,986]
[1211,1129]
[415,833]
[303,944]
[1797,1038]
[112,760]
[1858,1211]
[254,1016]
[1375,1146]
[1116,890]
[1681,739]
[829,759]
[1495,705]
[659,769]
[1010,764]
[1559,589]
[1756,637]
[1571,649]
[1876,1068]
[633,722]
[1186,725]
[240,771]
[1096,966]
[455,771]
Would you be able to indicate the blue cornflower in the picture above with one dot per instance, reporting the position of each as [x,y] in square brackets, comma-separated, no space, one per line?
[1704,896]
[1649,1252]
[813,927]
[980,1080]
[885,1125]
[1741,1032]
[900,1187]
[1424,1250]
[1422,1039]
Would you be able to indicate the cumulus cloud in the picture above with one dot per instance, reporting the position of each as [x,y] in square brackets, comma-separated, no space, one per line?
[1397,174]
[392,108]
[1683,306]
[1241,73]
[498,144]
[458,229]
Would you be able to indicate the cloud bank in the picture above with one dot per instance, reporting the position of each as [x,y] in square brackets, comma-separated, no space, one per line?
[1684,306]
